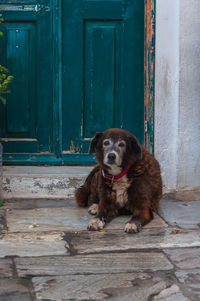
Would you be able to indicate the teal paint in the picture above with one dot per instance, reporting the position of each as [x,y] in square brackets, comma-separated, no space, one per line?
[35,159]
[103,64]
[91,79]
[26,120]
[57,73]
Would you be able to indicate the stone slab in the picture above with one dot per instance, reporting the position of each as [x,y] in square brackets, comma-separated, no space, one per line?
[41,186]
[41,181]
[171,293]
[3,225]
[69,218]
[91,242]
[5,268]
[115,287]
[183,214]
[174,297]
[93,264]
[188,195]
[37,203]
[14,290]
[184,258]
[190,280]
[21,244]
[30,170]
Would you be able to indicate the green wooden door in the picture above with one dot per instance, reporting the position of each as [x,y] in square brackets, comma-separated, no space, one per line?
[26,49]
[103,70]
[79,68]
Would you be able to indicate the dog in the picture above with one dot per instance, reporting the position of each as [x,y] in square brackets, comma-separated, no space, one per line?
[127,180]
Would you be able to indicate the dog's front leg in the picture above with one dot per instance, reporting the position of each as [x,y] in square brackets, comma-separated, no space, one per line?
[97,223]
[104,216]
[106,211]
[140,206]
[141,216]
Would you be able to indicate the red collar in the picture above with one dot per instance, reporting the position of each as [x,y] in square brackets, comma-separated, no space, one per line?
[115,178]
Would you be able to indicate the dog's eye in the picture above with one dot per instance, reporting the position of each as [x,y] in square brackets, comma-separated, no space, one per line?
[106,143]
[121,144]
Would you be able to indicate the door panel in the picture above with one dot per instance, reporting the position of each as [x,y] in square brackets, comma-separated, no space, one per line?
[103,70]
[99,85]
[26,119]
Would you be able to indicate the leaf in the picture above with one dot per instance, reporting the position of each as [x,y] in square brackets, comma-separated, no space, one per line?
[1,203]
[178,232]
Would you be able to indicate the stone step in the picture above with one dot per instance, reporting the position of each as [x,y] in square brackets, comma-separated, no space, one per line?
[42,181]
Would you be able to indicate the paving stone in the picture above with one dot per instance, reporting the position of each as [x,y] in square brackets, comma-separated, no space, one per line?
[89,242]
[175,297]
[116,287]
[190,280]
[188,195]
[48,219]
[37,203]
[42,182]
[184,258]
[5,268]
[62,219]
[95,264]
[22,244]
[3,225]
[13,290]
[184,214]
[170,294]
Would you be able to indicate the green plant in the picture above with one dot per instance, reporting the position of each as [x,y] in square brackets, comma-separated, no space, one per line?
[5,78]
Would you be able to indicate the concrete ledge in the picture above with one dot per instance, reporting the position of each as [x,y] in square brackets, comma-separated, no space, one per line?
[42,182]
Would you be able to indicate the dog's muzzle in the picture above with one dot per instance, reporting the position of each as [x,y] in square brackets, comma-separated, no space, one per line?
[111,158]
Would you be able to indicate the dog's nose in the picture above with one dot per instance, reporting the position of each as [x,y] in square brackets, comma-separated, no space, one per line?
[111,156]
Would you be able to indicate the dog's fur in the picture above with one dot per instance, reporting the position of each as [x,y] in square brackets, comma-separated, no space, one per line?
[138,192]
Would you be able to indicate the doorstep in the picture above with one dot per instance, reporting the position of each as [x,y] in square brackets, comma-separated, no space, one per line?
[42,181]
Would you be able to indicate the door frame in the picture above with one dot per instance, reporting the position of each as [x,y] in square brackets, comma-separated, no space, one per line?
[149,74]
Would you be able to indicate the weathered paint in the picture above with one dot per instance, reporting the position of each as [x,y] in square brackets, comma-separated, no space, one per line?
[149,66]
[103,64]
[26,118]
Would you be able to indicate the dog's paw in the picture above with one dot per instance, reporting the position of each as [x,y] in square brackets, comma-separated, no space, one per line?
[95,224]
[133,227]
[93,209]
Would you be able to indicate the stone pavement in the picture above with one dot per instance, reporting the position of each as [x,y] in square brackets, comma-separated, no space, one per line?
[46,253]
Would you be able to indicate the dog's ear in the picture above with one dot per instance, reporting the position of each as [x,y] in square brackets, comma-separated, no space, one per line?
[94,142]
[136,147]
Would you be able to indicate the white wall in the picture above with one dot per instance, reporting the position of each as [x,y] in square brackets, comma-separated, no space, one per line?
[177,93]
[167,89]
[189,90]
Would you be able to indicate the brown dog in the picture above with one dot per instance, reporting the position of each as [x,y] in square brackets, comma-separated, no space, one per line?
[127,180]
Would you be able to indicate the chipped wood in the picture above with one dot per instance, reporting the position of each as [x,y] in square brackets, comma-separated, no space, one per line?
[149,68]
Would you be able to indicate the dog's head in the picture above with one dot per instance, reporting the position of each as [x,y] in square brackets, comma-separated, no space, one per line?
[116,147]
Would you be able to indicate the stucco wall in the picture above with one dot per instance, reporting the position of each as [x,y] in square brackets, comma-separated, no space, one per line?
[167,89]
[188,173]
[177,93]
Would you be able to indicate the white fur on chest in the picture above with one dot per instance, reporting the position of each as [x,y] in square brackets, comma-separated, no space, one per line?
[121,190]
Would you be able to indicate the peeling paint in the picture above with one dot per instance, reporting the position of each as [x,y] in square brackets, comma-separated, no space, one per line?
[149,66]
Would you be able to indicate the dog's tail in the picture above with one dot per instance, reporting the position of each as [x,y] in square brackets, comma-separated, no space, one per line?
[83,192]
